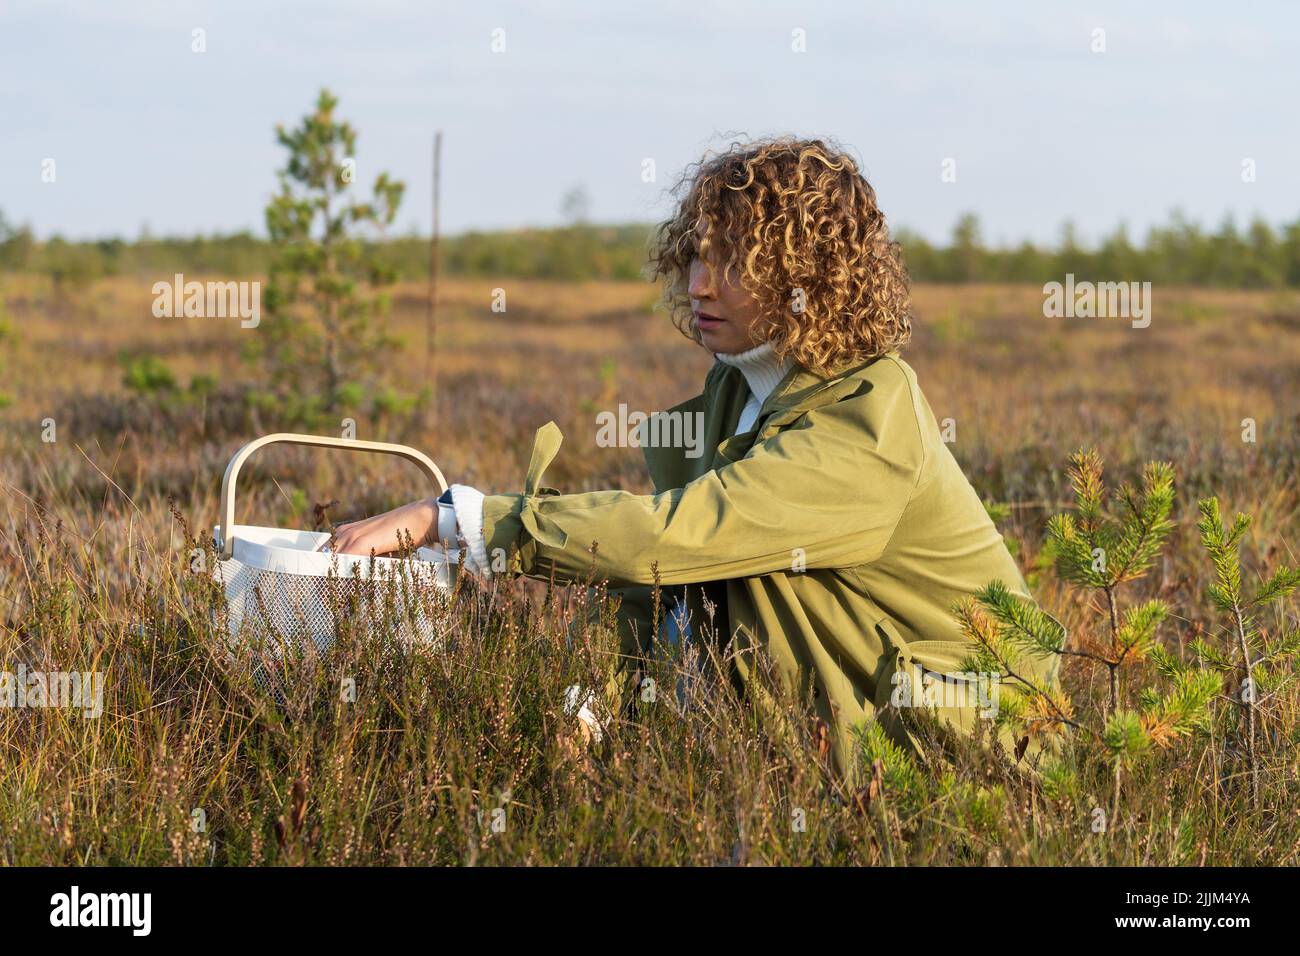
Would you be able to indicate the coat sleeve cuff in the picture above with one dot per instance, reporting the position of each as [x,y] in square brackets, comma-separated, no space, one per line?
[503,530]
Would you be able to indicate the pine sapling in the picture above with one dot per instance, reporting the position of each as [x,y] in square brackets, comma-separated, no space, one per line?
[325,338]
[1254,658]
[1094,549]
[1108,542]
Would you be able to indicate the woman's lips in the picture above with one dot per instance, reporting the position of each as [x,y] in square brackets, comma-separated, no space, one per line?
[708,322]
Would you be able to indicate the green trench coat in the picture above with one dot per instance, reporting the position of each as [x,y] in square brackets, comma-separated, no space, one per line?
[837,534]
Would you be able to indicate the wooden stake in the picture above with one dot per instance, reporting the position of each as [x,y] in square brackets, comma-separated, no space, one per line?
[430,327]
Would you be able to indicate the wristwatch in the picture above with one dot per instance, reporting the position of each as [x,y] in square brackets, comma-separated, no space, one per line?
[448,532]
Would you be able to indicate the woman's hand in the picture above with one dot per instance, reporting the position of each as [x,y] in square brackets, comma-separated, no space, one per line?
[383,533]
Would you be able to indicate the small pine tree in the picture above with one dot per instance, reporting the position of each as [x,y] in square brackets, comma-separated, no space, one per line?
[323,334]
[1101,549]
[1254,659]
[1109,542]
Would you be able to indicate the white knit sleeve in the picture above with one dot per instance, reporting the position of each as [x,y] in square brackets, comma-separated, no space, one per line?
[468,505]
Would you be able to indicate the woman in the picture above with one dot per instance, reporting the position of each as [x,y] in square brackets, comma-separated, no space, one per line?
[832,527]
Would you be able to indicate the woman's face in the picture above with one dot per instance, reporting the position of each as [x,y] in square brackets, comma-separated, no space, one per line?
[725,313]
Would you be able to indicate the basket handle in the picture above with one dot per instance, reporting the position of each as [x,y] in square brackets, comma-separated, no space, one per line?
[324,441]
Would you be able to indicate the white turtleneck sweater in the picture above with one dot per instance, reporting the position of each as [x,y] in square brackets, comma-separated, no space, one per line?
[762,372]
[461,517]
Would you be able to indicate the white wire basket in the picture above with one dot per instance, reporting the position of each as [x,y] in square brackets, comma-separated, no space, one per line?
[287,597]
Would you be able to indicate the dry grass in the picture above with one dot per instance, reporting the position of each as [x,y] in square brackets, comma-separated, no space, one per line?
[95,577]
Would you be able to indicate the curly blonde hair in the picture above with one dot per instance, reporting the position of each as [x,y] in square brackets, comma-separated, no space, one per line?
[799,225]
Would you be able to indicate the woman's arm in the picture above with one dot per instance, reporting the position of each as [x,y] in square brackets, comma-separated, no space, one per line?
[384,533]
[826,492]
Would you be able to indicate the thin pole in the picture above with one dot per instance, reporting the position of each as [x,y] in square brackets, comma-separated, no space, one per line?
[430,368]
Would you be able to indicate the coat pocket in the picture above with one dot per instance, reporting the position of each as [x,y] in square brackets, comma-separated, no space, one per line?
[931,677]
[944,657]
[946,681]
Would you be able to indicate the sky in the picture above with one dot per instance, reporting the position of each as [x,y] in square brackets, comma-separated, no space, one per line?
[1040,126]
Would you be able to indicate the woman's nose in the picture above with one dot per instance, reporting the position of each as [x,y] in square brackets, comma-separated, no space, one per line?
[701,286]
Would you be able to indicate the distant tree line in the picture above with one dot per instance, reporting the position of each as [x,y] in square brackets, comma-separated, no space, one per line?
[1178,253]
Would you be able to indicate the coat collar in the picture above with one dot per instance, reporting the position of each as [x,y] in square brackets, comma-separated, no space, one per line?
[725,393]
[800,390]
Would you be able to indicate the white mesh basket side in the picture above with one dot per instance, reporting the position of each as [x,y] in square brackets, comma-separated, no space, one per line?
[273,616]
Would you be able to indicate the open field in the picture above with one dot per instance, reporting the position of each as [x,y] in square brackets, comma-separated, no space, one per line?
[94,552]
